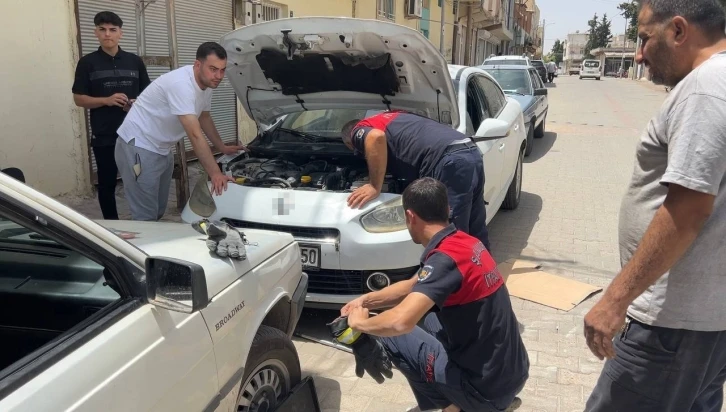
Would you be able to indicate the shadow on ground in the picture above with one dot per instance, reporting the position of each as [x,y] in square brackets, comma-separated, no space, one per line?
[551,85]
[509,231]
[541,147]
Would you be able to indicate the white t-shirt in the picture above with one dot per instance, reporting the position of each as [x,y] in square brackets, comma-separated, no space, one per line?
[153,119]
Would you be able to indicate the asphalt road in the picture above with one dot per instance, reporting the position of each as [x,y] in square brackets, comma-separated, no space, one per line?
[567,221]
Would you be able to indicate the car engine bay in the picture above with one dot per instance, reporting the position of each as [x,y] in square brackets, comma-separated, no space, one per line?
[302,172]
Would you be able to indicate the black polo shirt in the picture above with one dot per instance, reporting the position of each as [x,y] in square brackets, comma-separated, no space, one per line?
[479,328]
[415,143]
[99,74]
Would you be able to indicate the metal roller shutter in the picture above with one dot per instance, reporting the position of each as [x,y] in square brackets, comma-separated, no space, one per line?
[87,10]
[198,21]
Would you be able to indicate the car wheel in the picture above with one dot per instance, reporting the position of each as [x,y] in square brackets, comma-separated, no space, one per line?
[597,78]
[272,370]
[540,131]
[530,140]
[515,188]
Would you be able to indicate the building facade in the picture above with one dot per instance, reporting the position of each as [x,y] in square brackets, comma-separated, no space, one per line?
[618,55]
[575,49]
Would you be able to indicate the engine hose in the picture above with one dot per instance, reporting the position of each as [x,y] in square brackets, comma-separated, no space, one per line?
[241,163]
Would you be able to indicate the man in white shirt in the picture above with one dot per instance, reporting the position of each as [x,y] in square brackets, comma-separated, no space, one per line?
[175,105]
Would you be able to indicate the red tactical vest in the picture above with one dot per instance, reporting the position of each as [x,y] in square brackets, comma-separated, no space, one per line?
[480,275]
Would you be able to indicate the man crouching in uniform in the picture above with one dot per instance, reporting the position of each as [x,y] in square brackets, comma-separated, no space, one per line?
[469,356]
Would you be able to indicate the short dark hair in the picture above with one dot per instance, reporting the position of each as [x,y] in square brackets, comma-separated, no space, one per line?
[347,130]
[210,47]
[108,17]
[428,198]
[707,14]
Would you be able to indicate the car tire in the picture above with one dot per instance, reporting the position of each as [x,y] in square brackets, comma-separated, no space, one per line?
[514,193]
[530,140]
[597,78]
[272,366]
[539,132]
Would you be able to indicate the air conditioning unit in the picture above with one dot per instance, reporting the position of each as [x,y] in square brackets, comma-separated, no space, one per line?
[414,9]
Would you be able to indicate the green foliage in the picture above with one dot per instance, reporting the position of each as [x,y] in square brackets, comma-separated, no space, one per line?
[558,52]
[599,34]
[630,12]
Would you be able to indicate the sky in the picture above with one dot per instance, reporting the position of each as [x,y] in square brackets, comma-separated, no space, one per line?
[567,16]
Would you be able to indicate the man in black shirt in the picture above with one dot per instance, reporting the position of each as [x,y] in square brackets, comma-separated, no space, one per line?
[107,83]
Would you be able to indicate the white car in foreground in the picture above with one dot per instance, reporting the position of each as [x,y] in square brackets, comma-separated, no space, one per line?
[92,322]
[301,80]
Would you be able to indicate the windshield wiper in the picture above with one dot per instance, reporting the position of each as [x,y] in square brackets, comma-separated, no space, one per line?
[307,137]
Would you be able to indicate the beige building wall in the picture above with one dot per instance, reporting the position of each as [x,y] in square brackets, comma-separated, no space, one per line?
[42,130]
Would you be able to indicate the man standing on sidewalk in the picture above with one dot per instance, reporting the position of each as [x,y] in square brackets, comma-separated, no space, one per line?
[178,103]
[107,82]
[666,308]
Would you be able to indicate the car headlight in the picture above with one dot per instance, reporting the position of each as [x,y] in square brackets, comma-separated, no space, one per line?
[201,201]
[388,217]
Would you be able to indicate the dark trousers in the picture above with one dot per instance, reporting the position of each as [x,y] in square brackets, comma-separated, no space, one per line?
[662,370]
[107,175]
[462,171]
[436,382]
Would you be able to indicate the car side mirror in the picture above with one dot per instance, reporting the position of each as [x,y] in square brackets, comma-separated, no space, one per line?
[541,92]
[492,129]
[176,284]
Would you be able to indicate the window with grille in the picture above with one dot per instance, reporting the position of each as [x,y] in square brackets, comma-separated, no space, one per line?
[270,12]
[387,9]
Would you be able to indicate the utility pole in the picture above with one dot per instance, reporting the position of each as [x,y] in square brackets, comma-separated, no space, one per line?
[443,21]
[625,39]
[544,26]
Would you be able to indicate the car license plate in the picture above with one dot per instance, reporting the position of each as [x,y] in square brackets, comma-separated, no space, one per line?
[310,255]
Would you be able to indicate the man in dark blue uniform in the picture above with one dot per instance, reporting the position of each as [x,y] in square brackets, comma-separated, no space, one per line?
[410,147]
[107,82]
[469,355]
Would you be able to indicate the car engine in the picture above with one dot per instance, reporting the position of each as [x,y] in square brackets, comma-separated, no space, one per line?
[304,173]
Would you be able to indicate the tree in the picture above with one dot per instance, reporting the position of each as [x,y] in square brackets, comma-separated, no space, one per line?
[599,34]
[630,12]
[558,50]
[591,36]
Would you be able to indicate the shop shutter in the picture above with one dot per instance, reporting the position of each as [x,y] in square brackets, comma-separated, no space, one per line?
[198,21]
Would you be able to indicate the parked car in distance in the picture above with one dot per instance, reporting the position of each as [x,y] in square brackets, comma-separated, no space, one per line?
[591,70]
[137,316]
[541,69]
[574,70]
[301,88]
[509,60]
[524,85]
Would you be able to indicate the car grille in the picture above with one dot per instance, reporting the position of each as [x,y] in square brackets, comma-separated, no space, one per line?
[349,282]
[295,231]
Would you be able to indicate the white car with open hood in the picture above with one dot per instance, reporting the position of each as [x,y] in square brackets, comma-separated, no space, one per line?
[137,316]
[301,80]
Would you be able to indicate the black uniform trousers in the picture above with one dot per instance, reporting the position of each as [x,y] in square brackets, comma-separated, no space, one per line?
[107,178]
[461,170]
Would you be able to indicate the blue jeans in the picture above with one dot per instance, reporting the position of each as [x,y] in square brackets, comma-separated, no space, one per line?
[662,370]
[462,172]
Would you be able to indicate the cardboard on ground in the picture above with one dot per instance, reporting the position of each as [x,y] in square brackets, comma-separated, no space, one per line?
[525,281]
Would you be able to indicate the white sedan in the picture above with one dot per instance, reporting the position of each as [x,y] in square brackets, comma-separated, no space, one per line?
[301,80]
[137,316]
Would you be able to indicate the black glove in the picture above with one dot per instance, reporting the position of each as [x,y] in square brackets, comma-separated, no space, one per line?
[224,240]
[370,355]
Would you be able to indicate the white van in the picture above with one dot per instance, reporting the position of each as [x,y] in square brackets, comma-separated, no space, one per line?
[590,68]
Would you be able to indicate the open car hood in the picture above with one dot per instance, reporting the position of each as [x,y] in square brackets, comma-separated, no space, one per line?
[308,63]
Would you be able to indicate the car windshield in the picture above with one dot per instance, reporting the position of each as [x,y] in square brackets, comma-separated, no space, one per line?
[592,64]
[512,81]
[11,232]
[503,62]
[315,130]
[538,64]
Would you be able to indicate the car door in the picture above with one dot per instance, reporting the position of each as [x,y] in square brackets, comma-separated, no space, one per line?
[537,84]
[510,113]
[492,150]
[118,353]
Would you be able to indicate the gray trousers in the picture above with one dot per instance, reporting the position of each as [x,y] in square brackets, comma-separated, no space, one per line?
[662,370]
[147,193]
